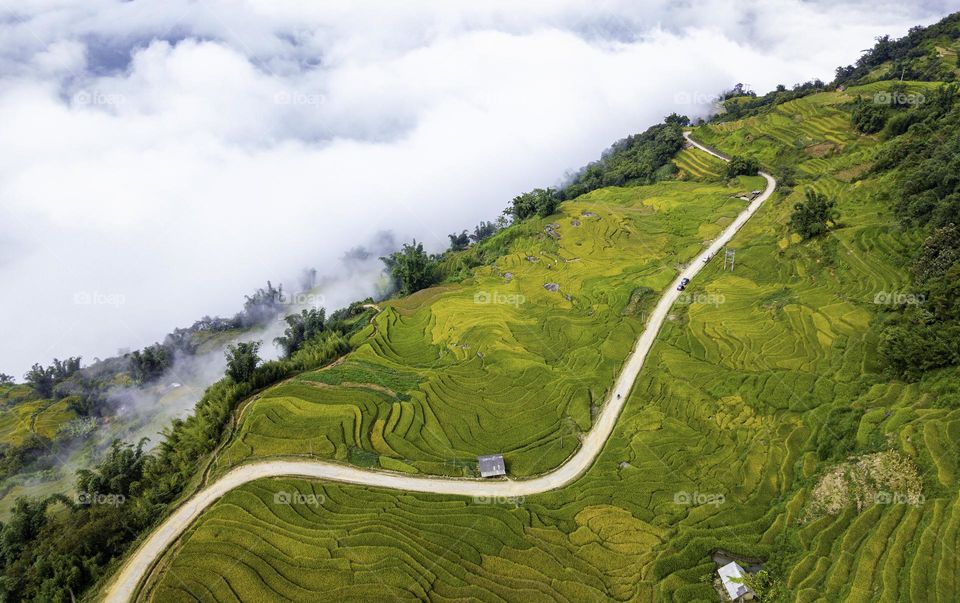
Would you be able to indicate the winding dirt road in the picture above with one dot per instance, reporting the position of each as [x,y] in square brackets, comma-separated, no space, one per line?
[124,583]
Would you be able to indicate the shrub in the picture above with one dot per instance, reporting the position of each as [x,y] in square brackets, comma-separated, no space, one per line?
[742,166]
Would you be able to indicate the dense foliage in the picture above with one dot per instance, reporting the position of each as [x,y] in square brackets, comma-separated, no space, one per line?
[33,453]
[411,268]
[923,151]
[242,360]
[482,231]
[814,215]
[45,379]
[642,158]
[53,556]
[459,241]
[538,202]
[924,333]
[925,147]
[301,328]
[868,117]
[912,57]
[150,363]
[742,166]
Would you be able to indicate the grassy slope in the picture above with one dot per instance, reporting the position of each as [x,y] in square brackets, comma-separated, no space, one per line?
[19,417]
[729,403]
[440,378]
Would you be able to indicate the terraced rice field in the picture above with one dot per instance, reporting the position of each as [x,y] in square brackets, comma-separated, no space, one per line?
[716,448]
[21,418]
[697,165]
[514,360]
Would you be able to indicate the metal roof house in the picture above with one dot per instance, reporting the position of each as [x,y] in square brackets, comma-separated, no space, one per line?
[731,576]
[492,465]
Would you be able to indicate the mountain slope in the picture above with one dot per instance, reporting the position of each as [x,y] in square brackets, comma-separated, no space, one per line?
[718,449]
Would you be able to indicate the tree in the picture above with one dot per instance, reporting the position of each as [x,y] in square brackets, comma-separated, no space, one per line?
[742,166]
[738,90]
[940,251]
[5,379]
[814,216]
[27,518]
[459,242]
[411,268]
[642,158]
[765,586]
[43,380]
[867,117]
[150,363]
[301,328]
[677,120]
[484,230]
[944,295]
[540,202]
[118,474]
[242,360]
[912,346]
[260,307]
[40,380]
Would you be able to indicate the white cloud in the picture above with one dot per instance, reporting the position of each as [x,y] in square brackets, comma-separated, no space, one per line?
[178,154]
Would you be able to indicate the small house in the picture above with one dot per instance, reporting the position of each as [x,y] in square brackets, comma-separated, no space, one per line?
[492,465]
[731,576]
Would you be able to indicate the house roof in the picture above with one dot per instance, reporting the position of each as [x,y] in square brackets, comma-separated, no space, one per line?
[727,573]
[491,465]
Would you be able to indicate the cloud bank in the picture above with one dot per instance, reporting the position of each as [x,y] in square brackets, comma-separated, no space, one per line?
[160,159]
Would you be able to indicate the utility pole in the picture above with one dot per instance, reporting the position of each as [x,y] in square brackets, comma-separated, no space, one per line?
[729,257]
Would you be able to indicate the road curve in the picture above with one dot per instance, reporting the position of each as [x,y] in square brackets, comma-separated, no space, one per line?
[124,583]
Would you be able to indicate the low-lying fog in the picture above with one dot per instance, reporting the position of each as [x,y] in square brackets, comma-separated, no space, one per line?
[158,160]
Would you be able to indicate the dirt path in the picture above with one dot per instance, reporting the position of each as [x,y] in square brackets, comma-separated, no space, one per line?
[124,583]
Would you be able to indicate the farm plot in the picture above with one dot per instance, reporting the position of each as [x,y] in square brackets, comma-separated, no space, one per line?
[516,359]
[716,449]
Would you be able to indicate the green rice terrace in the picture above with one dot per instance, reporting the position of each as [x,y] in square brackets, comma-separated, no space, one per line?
[22,418]
[723,446]
[515,360]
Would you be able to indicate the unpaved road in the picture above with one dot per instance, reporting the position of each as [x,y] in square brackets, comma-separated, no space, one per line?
[125,582]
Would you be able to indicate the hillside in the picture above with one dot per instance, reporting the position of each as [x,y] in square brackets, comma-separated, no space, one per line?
[514,360]
[799,412]
[742,417]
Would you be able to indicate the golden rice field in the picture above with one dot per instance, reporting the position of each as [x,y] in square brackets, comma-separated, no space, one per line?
[516,359]
[716,448]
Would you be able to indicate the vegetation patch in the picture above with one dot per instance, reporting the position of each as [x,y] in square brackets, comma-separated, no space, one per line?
[881,478]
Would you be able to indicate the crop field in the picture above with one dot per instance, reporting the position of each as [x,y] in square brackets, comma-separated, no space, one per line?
[696,165]
[19,416]
[716,448]
[517,359]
